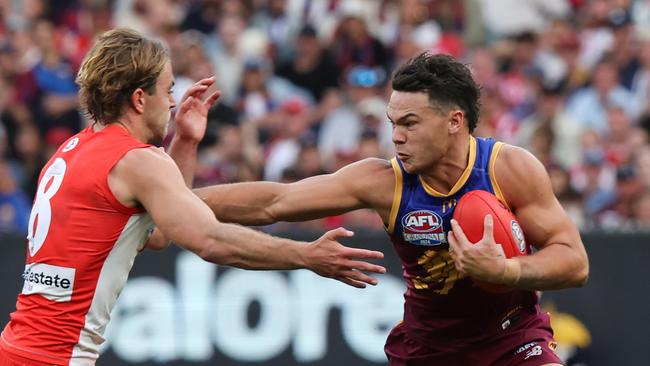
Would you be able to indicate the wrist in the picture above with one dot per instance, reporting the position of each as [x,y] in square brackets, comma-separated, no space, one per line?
[302,255]
[185,140]
[511,272]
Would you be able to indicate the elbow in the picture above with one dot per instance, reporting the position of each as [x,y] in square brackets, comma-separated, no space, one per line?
[582,277]
[217,253]
[213,252]
[581,274]
[268,216]
[158,246]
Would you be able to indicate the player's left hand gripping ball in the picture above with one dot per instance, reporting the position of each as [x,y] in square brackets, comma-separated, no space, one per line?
[484,233]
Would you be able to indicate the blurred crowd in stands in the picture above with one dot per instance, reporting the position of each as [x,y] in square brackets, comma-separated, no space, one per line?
[305,85]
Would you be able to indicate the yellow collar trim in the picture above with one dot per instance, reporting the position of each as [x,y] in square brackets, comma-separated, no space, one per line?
[463,178]
[397,195]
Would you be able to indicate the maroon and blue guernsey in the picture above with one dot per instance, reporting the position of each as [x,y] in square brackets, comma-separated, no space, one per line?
[443,309]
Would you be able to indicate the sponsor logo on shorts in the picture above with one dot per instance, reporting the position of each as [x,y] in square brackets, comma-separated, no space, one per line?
[532,349]
[518,234]
[52,282]
[505,324]
[535,351]
[423,227]
[525,347]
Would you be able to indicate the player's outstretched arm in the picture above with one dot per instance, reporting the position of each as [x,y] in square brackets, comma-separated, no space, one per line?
[149,177]
[561,260]
[365,184]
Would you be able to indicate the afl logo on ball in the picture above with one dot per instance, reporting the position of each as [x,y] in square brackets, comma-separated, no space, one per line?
[423,227]
[518,235]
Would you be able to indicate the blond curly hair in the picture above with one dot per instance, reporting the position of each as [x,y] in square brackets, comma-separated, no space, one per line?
[121,61]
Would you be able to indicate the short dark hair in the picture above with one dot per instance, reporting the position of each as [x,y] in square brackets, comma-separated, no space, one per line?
[447,82]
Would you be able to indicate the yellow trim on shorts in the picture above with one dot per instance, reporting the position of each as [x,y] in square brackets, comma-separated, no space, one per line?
[397,195]
[493,178]
[463,178]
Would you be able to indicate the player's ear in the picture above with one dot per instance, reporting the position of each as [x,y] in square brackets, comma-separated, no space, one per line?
[137,100]
[456,120]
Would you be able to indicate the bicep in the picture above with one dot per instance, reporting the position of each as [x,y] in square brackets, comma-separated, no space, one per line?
[547,223]
[158,185]
[179,214]
[527,189]
[315,197]
[359,185]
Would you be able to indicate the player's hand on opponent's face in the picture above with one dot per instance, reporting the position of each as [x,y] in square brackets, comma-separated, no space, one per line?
[483,260]
[328,258]
[192,115]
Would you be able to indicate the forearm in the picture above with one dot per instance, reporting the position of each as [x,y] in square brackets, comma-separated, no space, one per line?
[243,203]
[237,246]
[183,152]
[554,267]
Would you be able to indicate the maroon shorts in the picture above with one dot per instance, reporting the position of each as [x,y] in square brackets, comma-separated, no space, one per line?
[530,344]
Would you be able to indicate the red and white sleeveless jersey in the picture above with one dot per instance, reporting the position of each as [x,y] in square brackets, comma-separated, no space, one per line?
[81,245]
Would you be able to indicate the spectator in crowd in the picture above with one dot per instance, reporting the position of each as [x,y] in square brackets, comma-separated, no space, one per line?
[202,16]
[226,57]
[628,191]
[286,138]
[642,211]
[308,162]
[623,138]
[589,105]
[229,159]
[522,15]
[191,62]
[554,73]
[273,20]
[341,130]
[640,83]
[642,165]
[550,114]
[48,88]
[313,69]
[31,157]
[596,183]
[14,204]
[569,198]
[354,45]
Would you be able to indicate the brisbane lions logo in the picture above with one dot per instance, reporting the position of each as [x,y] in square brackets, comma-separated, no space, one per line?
[423,227]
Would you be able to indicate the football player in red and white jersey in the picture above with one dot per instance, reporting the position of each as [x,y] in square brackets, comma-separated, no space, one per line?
[103,191]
